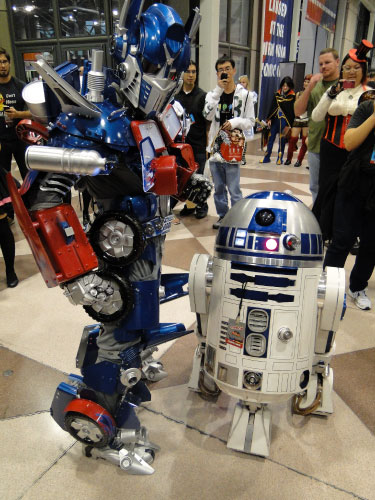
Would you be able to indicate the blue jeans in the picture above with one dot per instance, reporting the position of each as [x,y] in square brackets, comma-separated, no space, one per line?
[313,160]
[226,177]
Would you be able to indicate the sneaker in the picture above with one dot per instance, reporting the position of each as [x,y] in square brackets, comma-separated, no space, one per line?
[186,211]
[360,299]
[297,164]
[265,160]
[279,162]
[243,162]
[216,225]
[287,162]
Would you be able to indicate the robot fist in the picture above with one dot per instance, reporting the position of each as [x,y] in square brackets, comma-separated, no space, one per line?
[197,189]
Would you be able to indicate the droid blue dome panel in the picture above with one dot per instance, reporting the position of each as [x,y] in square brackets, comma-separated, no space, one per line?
[261,195]
[273,195]
[277,195]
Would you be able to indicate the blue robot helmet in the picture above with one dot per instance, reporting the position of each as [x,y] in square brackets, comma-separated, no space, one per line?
[152,49]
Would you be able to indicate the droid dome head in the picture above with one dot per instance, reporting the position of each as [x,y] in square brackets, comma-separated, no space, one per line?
[270,228]
[151,50]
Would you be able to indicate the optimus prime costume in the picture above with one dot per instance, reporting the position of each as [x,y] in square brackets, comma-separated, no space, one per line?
[267,314]
[118,135]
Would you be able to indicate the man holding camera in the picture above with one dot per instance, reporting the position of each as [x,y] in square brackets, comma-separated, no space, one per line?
[12,110]
[228,106]
[329,65]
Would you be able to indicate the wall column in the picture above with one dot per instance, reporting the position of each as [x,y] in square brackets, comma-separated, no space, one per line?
[208,43]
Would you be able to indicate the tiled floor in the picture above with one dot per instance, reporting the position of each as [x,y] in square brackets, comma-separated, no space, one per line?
[311,457]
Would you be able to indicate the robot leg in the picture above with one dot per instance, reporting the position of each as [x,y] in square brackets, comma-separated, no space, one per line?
[250,431]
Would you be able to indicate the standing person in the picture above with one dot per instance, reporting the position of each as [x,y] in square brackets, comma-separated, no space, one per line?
[228,106]
[300,127]
[7,244]
[354,211]
[192,99]
[329,64]
[280,118]
[336,107]
[249,134]
[12,110]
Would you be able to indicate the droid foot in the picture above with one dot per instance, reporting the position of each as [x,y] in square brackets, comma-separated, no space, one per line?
[250,431]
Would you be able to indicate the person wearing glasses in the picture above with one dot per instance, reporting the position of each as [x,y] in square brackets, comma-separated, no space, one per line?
[336,107]
[228,106]
[12,110]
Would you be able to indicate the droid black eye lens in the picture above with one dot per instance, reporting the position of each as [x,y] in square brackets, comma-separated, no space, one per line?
[265,217]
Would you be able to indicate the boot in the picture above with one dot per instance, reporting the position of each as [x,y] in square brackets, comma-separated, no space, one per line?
[302,151]
[291,148]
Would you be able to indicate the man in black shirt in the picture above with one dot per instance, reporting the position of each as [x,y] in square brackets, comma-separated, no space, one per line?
[12,110]
[192,99]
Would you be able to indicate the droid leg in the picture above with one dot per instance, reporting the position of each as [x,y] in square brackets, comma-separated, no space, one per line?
[317,399]
[250,431]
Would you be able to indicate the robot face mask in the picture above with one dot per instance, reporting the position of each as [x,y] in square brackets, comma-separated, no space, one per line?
[152,50]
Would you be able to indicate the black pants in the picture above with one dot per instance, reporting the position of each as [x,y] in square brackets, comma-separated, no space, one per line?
[17,149]
[350,220]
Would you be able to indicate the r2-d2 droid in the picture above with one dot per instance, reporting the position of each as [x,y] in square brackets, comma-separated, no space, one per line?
[267,314]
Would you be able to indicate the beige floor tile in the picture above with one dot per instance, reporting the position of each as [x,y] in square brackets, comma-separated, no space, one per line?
[325,448]
[190,465]
[30,446]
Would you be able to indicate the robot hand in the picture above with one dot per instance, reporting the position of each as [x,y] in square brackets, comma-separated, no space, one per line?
[197,189]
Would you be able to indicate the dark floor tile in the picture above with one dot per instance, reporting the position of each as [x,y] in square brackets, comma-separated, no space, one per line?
[354,382]
[178,361]
[179,253]
[26,386]
[24,266]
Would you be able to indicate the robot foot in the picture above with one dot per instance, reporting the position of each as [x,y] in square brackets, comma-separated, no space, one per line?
[131,451]
[250,431]
[151,369]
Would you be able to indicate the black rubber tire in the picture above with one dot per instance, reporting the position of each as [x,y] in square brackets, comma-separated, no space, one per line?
[139,241]
[127,295]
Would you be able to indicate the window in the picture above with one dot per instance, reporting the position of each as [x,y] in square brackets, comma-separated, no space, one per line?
[33,20]
[234,33]
[82,18]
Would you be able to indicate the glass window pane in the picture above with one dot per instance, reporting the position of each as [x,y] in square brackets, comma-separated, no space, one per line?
[28,58]
[240,59]
[76,56]
[115,13]
[32,21]
[223,21]
[239,28]
[84,18]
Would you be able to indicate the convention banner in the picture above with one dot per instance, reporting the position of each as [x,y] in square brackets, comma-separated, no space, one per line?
[322,13]
[276,40]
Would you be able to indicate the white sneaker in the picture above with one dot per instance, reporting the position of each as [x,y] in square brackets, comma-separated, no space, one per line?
[360,299]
